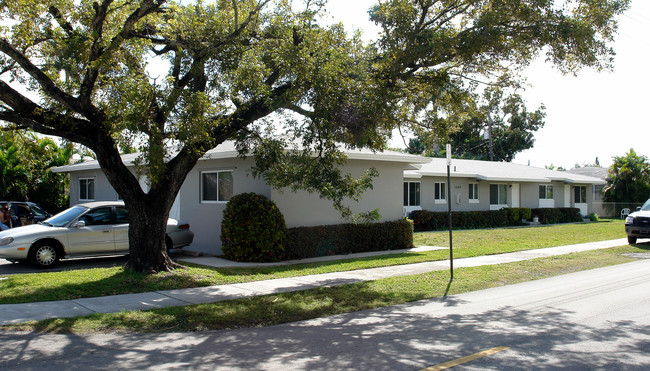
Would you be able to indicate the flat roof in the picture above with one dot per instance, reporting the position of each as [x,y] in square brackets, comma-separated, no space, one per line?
[228,150]
[498,172]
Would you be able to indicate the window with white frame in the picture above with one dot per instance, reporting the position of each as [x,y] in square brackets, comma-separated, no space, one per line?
[411,193]
[86,189]
[439,192]
[598,192]
[545,192]
[472,195]
[216,186]
[580,194]
[498,194]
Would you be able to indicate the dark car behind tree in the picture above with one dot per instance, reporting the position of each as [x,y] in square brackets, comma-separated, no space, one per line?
[24,213]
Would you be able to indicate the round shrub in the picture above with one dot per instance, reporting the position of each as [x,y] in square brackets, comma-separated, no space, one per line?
[253,229]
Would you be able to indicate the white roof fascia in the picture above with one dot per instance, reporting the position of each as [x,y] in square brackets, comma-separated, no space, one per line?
[383,156]
[412,167]
[514,179]
[412,175]
[452,174]
[412,161]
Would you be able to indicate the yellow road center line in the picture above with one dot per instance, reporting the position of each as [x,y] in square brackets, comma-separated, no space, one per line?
[460,361]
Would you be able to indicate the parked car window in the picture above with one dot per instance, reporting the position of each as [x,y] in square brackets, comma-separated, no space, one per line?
[121,215]
[63,218]
[98,216]
[23,210]
[38,211]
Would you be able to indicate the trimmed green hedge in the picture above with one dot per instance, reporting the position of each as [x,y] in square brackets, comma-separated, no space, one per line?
[557,215]
[308,242]
[424,220]
[516,214]
[253,229]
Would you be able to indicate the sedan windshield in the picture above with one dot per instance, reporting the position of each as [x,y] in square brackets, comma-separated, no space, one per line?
[65,216]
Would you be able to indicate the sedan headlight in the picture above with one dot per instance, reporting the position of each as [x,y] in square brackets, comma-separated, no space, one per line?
[6,241]
[629,220]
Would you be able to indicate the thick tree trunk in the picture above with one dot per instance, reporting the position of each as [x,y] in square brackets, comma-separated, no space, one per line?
[148,212]
[147,249]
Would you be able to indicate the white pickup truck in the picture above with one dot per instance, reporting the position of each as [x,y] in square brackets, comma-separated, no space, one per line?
[637,224]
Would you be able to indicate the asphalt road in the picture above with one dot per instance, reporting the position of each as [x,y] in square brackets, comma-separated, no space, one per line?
[597,319]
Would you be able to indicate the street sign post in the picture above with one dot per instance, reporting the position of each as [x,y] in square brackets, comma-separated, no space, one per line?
[451,248]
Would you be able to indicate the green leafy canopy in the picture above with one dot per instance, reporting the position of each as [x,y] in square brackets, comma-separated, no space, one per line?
[175,79]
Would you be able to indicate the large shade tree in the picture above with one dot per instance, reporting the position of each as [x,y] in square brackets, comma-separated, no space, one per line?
[179,79]
[498,127]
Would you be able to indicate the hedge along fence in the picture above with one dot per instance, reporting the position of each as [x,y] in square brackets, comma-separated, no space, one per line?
[424,220]
[557,215]
[308,242]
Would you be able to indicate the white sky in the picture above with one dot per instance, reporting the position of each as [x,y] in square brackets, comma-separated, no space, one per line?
[592,115]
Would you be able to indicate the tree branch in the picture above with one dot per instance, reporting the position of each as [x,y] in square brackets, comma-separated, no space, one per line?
[27,113]
[236,15]
[299,110]
[63,23]
[97,52]
[44,81]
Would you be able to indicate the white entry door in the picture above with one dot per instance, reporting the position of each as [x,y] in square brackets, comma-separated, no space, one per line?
[580,199]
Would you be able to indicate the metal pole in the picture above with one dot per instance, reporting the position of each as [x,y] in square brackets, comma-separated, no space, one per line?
[451,248]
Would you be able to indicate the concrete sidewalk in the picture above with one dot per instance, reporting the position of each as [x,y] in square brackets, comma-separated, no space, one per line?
[16,313]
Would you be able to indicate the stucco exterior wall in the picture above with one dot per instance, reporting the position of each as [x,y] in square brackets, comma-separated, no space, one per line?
[299,209]
[459,195]
[205,218]
[559,195]
[525,194]
[529,194]
[305,209]
[103,189]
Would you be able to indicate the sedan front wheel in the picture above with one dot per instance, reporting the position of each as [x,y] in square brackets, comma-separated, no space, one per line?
[43,255]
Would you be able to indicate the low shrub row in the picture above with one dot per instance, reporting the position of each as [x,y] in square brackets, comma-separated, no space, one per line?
[253,229]
[307,242]
[558,215]
[517,214]
[424,220]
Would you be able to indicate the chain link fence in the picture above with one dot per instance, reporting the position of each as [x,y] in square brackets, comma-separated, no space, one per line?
[614,209]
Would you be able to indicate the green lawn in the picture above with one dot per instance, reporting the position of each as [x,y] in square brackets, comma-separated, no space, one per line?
[302,305]
[111,281]
[469,243]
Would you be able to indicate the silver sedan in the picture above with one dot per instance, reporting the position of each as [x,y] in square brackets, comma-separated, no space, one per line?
[89,229]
